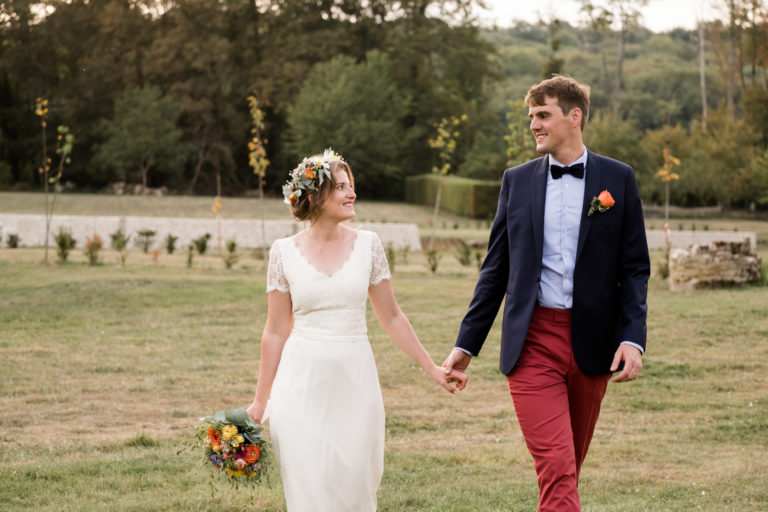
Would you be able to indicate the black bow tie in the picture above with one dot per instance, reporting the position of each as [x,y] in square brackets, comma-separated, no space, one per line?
[575,170]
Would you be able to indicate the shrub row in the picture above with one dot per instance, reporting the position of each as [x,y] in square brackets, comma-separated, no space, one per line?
[476,199]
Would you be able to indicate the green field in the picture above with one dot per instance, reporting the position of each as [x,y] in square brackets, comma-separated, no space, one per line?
[106,371]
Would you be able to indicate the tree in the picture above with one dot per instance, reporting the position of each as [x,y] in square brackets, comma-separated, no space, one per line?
[624,15]
[703,75]
[599,20]
[444,141]
[520,147]
[666,175]
[257,158]
[143,137]
[760,179]
[626,12]
[756,109]
[353,108]
[554,64]
[440,69]
[192,59]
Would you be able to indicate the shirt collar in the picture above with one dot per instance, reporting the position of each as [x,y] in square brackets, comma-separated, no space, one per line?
[582,159]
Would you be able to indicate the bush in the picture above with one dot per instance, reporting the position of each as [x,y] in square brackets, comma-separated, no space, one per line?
[13,240]
[390,257]
[144,239]
[201,243]
[230,257]
[433,259]
[463,196]
[479,259]
[464,253]
[190,255]
[120,244]
[170,243]
[92,247]
[406,249]
[64,244]
[663,264]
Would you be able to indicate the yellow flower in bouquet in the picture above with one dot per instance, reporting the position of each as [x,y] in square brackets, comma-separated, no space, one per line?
[228,431]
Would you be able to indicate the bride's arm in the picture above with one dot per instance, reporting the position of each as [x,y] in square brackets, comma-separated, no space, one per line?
[276,331]
[394,321]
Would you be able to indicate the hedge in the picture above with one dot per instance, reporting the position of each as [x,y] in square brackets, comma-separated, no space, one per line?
[476,199]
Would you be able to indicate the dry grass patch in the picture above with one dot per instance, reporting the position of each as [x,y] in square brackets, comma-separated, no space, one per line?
[106,370]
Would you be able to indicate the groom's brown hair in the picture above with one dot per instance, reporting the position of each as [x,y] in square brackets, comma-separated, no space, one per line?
[569,94]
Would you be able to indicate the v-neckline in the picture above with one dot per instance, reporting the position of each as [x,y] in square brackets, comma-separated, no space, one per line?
[338,270]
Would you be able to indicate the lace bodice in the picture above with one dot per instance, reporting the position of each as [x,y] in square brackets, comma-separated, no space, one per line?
[328,306]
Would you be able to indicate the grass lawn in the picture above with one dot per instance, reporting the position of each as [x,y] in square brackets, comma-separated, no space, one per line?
[106,371]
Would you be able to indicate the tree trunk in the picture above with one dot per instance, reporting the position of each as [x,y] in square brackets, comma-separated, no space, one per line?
[619,66]
[144,174]
[263,227]
[702,76]
[729,91]
[435,212]
[218,213]
[44,174]
[202,156]
[198,168]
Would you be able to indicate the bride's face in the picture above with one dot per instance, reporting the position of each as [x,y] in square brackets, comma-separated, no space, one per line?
[340,204]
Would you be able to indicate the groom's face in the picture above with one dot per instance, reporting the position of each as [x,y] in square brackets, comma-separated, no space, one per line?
[552,129]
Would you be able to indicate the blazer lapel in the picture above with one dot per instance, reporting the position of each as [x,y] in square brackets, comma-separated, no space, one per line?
[591,189]
[538,195]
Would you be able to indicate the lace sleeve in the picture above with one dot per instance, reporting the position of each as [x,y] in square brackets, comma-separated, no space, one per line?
[379,265]
[275,276]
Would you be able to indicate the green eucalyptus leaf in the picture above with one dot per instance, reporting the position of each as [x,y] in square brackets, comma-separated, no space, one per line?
[238,416]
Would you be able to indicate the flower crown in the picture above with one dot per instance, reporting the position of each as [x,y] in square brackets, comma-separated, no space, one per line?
[309,175]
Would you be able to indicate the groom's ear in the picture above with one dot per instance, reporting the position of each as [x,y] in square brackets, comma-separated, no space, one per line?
[575,116]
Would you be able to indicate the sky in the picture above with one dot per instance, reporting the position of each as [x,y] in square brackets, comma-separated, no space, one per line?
[658,16]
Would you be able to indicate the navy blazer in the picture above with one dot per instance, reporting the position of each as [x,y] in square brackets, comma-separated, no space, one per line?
[610,280]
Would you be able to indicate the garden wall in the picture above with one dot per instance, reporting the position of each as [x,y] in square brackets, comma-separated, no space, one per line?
[246,232]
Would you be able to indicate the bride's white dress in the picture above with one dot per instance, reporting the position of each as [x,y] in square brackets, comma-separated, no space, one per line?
[326,414]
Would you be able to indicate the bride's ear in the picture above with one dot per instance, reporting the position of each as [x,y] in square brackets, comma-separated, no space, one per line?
[311,198]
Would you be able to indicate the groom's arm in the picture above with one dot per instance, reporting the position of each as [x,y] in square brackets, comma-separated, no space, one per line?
[635,269]
[491,284]
[634,273]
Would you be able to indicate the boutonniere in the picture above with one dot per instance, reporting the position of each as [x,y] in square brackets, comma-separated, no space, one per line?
[601,203]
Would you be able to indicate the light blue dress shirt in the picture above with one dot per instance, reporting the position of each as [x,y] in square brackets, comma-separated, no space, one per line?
[562,219]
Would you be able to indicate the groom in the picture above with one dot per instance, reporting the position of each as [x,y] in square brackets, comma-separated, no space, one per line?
[567,253]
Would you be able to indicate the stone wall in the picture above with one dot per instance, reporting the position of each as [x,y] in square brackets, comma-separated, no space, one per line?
[686,238]
[718,264]
[246,232]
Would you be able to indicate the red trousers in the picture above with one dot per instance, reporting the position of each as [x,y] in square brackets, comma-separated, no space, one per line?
[557,406]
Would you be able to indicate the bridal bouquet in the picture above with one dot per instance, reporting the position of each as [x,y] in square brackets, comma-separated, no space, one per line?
[234,443]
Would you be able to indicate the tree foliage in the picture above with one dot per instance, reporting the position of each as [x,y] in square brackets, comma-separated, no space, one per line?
[143,137]
[354,108]
[206,56]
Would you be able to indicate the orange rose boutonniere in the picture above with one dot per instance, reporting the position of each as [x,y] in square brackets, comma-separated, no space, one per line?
[601,203]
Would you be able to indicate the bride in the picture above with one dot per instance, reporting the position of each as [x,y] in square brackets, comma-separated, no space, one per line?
[318,384]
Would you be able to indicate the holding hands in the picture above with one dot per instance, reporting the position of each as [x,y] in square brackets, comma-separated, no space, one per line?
[447,378]
[457,361]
